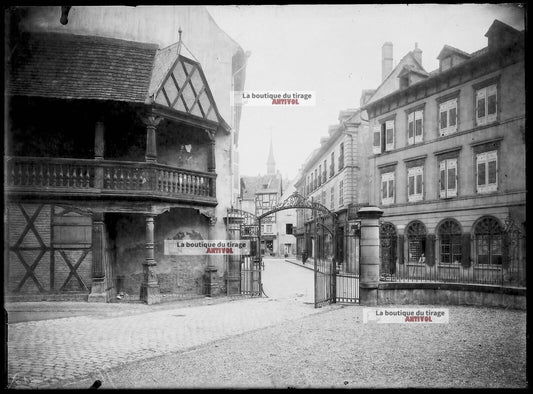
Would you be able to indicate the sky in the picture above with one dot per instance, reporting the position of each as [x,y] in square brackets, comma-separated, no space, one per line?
[335,51]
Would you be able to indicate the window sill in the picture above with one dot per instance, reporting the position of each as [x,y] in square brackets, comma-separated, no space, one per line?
[490,267]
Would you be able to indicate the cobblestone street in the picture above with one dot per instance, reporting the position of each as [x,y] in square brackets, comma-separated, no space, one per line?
[267,342]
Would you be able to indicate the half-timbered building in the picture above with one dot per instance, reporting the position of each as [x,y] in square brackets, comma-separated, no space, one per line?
[110,151]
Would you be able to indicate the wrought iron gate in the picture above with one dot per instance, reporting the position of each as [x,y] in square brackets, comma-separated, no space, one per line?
[332,283]
[347,274]
[243,272]
[324,260]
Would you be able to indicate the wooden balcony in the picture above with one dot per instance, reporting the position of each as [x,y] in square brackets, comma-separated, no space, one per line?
[107,178]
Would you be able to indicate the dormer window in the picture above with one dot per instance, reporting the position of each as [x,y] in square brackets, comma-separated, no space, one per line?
[404,81]
[445,63]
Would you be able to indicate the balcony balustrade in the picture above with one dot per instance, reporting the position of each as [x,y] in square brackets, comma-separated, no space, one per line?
[107,178]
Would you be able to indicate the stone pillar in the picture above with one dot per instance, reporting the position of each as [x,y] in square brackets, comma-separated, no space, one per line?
[149,286]
[151,123]
[369,263]
[98,287]
[99,147]
[211,269]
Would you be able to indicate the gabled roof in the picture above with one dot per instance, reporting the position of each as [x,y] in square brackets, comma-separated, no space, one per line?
[499,27]
[252,185]
[72,66]
[448,50]
[381,90]
[179,83]
[81,67]
[408,68]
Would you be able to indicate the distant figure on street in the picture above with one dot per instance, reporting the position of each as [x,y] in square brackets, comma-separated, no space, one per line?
[422,259]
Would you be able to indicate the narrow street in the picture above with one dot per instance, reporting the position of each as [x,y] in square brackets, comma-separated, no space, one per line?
[283,280]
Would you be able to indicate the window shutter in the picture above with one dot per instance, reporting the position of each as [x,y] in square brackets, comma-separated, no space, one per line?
[376,145]
[453,116]
[389,131]
[443,118]
[480,106]
[419,125]
[452,178]
[442,181]
[491,103]
[411,128]
[480,166]
[430,250]
[400,248]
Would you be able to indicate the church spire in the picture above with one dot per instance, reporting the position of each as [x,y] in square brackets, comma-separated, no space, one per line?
[271,163]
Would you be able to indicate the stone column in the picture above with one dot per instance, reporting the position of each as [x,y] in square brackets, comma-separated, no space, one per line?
[99,147]
[149,286]
[211,269]
[369,262]
[151,123]
[98,288]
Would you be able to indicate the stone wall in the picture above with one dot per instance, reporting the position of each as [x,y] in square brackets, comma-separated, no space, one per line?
[451,294]
[177,275]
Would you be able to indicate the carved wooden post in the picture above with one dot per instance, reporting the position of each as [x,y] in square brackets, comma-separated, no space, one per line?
[151,123]
[369,264]
[149,286]
[99,147]
[211,165]
[98,288]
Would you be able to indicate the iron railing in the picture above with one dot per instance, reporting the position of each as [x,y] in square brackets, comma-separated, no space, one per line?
[510,272]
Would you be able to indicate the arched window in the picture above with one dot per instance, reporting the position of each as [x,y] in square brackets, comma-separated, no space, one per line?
[488,241]
[450,242]
[416,241]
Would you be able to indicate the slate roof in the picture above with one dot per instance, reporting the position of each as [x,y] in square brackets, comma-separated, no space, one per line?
[81,67]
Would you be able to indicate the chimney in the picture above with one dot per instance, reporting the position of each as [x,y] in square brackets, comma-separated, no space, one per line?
[386,60]
[417,52]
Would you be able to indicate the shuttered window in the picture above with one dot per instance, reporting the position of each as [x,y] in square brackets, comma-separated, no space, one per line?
[448,178]
[448,117]
[415,184]
[415,125]
[376,146]
[389,135]
[486,104]
[487,172]
[387,188]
